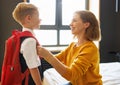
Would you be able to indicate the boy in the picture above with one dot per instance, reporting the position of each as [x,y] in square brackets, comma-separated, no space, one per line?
[27,16]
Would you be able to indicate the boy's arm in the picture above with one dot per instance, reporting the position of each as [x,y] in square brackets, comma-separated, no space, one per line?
[36,76]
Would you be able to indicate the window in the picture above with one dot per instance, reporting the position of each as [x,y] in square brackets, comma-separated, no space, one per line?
[69,7]
[47,10]
[56,16]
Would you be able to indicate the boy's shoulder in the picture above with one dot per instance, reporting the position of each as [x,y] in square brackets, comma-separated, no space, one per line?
[21,34]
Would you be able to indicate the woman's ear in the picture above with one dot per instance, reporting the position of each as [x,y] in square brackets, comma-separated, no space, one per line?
[87,24]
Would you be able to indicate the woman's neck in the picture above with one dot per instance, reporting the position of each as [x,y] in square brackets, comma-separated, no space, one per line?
[81,40]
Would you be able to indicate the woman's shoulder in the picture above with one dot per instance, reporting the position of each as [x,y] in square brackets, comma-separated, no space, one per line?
[90,45]
[72,44]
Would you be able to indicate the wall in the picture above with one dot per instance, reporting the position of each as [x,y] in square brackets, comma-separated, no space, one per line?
[110,30]
[118,28]
[7,23]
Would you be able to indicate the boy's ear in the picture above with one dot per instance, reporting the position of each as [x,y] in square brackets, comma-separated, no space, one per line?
[28,18]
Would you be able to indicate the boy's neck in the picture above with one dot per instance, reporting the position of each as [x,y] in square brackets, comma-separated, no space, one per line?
[28,27]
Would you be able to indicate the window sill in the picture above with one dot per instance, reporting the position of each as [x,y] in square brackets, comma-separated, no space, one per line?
[56,49]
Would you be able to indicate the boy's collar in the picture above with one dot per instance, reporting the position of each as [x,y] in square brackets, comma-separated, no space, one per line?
[27,29]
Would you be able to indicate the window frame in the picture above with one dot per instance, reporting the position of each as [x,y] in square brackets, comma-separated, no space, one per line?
[58,22]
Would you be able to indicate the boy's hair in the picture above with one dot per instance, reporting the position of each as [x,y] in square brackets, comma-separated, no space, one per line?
[93,31]
[22,10]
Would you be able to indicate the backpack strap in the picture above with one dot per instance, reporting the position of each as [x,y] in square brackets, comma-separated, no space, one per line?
[26,76]
[29,34]
[20,34]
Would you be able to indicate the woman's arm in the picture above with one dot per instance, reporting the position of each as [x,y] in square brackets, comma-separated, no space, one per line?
[48,56]
[80,64]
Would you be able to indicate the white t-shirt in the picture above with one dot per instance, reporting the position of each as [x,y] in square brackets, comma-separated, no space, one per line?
[28,49]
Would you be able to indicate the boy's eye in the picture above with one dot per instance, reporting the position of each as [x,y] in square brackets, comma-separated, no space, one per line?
[74,20]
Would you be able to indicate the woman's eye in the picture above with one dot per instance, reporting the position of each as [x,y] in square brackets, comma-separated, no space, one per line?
[74,20]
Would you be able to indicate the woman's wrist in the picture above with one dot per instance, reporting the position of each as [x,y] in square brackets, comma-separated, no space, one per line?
[49,58]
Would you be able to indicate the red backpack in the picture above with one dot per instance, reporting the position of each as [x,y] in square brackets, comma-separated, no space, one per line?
[11,69]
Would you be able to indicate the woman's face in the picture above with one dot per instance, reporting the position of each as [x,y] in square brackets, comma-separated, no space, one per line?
[77,26]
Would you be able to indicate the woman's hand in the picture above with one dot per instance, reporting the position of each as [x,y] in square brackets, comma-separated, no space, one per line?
[41,51]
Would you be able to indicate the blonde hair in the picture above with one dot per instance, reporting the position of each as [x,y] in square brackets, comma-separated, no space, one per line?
[93,32]
[22,10]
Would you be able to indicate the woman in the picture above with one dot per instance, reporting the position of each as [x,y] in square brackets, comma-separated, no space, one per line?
[79,62]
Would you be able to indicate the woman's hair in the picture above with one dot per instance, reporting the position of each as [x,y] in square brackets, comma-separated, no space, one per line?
[93,32]
[22,10]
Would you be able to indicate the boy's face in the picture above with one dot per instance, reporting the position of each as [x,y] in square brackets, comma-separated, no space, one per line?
[35,21]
